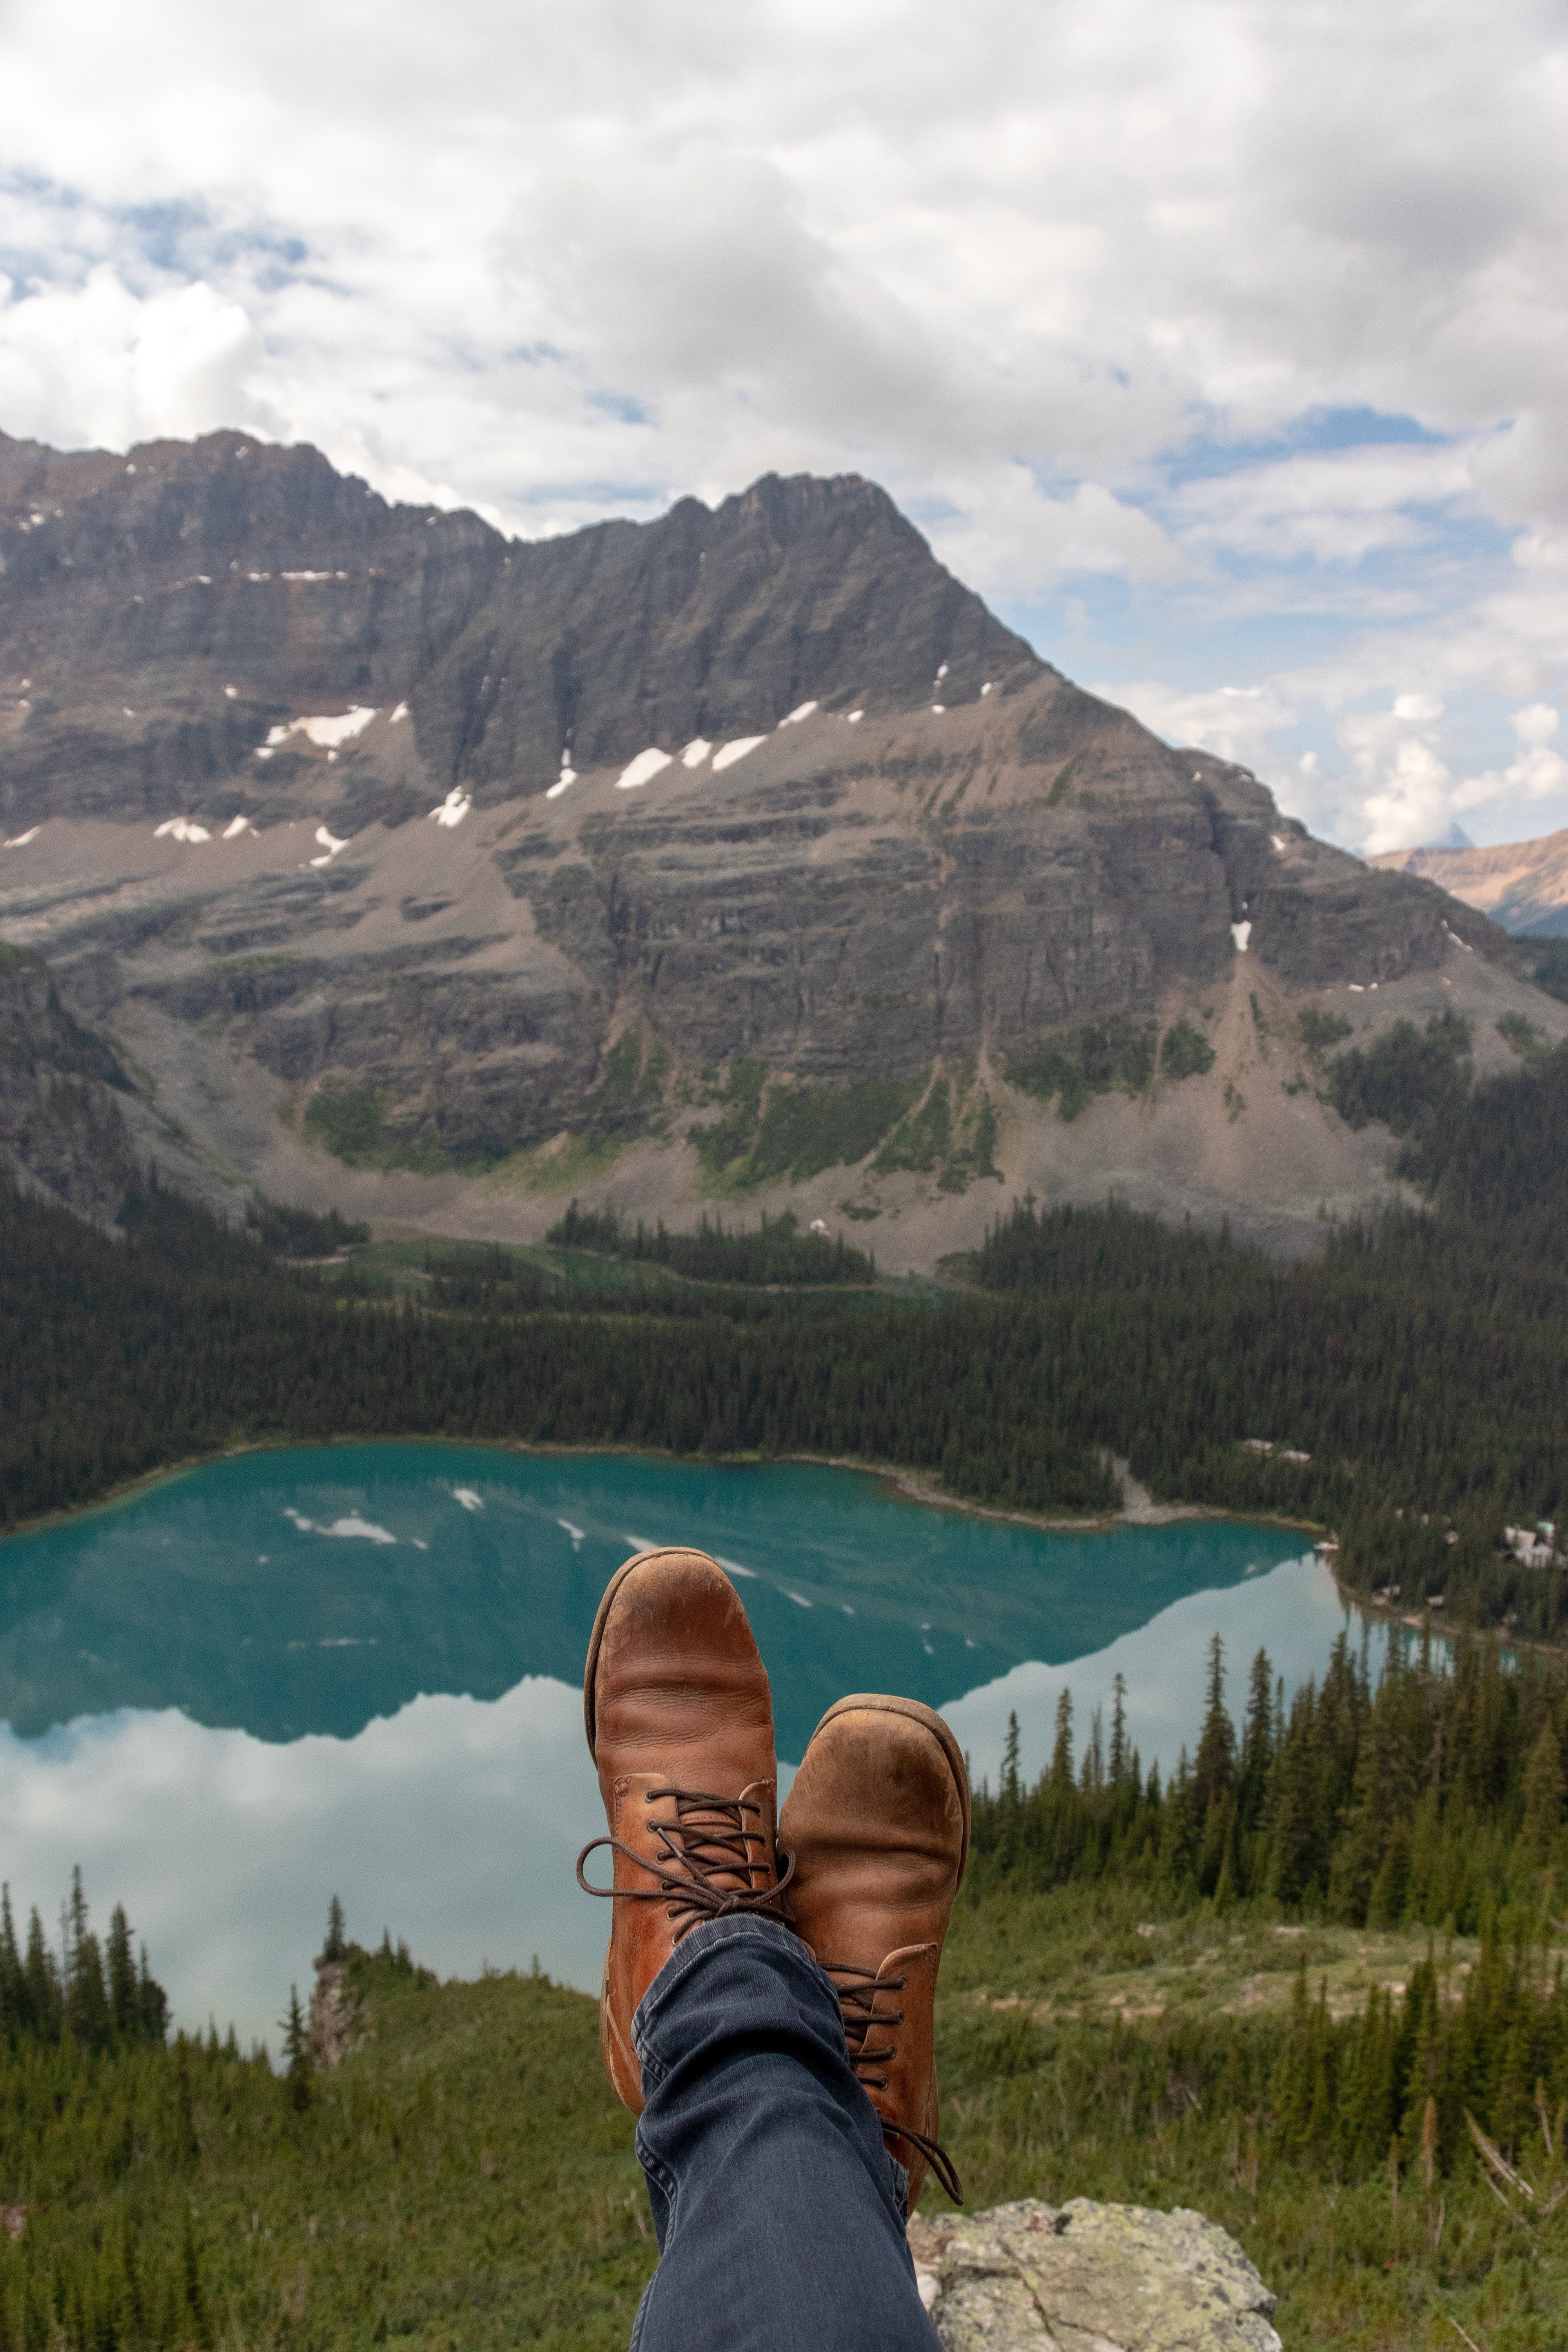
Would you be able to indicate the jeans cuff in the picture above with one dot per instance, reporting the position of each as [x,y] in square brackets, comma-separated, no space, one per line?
[747,1928]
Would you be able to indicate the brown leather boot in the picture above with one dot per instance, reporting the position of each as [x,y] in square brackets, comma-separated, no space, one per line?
[681,1723]
[876,1826]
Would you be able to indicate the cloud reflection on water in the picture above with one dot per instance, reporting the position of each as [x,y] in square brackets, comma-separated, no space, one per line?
[456,1821]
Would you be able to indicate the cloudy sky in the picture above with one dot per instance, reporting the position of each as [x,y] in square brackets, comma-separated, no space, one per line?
[1223,346]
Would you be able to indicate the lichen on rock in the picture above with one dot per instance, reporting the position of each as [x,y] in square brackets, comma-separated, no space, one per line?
[1084,2277]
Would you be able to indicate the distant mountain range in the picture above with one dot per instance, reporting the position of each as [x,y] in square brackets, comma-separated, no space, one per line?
[743,857]
[1522,885]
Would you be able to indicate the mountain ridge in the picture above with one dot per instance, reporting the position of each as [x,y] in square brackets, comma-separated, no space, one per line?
[1520,885]
[743,854]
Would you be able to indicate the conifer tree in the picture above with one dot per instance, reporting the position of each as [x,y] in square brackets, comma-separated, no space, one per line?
[1061,1746]
[297,2049]
[13,1984]
[87,2011]
[124,1993]
[336,1943]
[1257,1741]
[1543,1794]
[1300,1828]
[42,1982]
[1118,1762]
[1214,1767]
[1009,1782]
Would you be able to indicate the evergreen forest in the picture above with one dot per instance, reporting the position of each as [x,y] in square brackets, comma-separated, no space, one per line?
[1400,1390]
[1393,2160]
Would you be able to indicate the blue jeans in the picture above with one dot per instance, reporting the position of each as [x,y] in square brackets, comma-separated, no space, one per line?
[780,2212]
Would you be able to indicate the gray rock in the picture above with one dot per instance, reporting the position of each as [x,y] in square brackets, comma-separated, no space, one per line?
[956,874]
[1088,2278]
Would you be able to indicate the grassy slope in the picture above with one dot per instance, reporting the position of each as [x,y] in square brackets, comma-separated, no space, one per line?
[1169,2111]
[511,2206]
[466,2179]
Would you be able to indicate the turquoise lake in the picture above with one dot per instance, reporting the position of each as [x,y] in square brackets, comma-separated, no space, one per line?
[357,1669]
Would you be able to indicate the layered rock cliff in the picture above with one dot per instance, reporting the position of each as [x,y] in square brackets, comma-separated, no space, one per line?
[744,853]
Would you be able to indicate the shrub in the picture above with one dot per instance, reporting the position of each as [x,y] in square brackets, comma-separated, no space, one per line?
[1184,1052]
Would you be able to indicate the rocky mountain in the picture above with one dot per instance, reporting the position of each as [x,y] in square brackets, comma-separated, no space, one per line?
[743,855]
[1523,885]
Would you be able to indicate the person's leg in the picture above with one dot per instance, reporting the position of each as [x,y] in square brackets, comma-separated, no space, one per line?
[780,2213]
[779,2210]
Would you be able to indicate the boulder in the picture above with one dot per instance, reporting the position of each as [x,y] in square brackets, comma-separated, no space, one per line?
[1083,2277]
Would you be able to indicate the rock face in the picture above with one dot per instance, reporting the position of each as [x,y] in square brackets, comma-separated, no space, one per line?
[158,616]
[1089,2278]
[62,1131]
[338,2026]
[429,872]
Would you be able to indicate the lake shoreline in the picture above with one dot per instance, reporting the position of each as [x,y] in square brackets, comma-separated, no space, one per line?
[916,1486]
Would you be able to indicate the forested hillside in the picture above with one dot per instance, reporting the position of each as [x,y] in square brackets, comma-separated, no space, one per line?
[1409,1381]
[1394,2161]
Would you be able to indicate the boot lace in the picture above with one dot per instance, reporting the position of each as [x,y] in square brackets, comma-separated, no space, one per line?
[707,1840]
[857,2006]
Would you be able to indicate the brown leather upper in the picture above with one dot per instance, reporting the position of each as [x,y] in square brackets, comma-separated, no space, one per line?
[877,1824]
[679,1719]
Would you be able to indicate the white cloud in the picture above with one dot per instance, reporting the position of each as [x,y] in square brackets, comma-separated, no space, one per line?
[1536,773]
[96,364]
[1335,508]
[1084,282]
[1233,722]
[1013,536]
[1405,784]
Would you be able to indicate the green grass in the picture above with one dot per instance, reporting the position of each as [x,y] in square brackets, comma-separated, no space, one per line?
[1049,2092]
[547,1170]
[405,1268]
[1073,1066]
[466,2179]
[769,1130]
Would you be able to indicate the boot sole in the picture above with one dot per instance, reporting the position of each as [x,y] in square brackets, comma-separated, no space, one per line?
[637,1560]
[928,1719]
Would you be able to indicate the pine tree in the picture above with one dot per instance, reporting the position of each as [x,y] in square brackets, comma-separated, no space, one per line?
[87,2011]
[297,2049]
[1061,1746]
[1299,1829]
[1214,1767]
[13,2014]
[151,2005]
[1010,1790]
[42,1980]
[336,1943]
[1257,1741]
[1544,1793]
[1119,1732]
[125,2003]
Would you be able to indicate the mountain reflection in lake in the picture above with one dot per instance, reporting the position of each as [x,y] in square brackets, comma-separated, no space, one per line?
[357,1669]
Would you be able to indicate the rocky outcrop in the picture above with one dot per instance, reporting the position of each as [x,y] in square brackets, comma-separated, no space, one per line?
[1088,2278]
[62,1131]
[338,2022]
[160,615]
